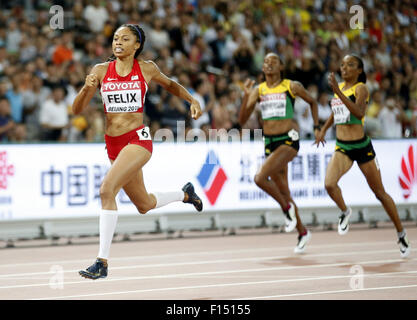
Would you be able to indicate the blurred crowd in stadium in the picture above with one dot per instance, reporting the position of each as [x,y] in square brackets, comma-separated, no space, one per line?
[210,47]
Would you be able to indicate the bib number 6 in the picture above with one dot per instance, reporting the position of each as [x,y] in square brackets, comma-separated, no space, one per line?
[293,134]
[144,134]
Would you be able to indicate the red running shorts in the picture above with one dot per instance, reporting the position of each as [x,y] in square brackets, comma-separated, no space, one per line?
[140,136]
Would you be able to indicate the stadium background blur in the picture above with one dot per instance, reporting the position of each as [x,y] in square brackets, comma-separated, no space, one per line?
[209,46]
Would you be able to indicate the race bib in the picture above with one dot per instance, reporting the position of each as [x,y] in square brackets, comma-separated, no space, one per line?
[341,113]
[293,134]
[273,105]
[144,134]
[121,96]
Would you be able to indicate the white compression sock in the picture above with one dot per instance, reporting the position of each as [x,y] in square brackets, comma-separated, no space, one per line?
[163,198]
[108,221]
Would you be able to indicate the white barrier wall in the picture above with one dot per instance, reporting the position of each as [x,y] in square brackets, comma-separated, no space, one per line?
[63,180]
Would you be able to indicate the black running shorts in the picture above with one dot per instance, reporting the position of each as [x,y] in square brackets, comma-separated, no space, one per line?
[360,150]
[274,141]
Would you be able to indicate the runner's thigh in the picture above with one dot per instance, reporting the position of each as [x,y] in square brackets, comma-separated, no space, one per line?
[278,160]
[126,166]
[339,164]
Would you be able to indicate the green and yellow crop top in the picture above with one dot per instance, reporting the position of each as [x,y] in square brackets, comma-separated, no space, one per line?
[276,103]
[341,113]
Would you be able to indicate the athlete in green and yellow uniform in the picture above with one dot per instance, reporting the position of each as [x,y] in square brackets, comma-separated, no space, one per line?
[277,103]
[276,98]
[349,105]
[359,150]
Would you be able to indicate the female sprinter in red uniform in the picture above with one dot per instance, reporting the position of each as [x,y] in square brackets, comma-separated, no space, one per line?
[123,83]
[277,96]
[349,105]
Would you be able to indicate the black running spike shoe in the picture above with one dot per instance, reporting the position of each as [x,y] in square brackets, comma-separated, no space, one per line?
[193,198]
[404,246]
[95,271]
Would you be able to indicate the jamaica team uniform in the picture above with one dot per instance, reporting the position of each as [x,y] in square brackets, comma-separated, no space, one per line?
[360,150]
[278,104]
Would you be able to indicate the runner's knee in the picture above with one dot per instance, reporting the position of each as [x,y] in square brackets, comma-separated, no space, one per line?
[142,209]
[107,192]
[330,186]
[380,194]
[260,180]
[144,206]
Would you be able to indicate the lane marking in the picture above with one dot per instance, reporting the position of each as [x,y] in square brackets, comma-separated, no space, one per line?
[176,264]
[230,285]
[329,292]
[199,274]
[198,253]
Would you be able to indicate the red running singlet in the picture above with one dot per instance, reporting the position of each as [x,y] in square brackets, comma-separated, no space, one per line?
[123,94]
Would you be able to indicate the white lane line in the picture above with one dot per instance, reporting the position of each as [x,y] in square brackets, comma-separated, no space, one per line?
[281,276]
[210,273]
[221,285]
[199,253]
[330,292]
[188,263]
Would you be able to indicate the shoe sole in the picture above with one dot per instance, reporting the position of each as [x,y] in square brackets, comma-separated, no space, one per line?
[199,206]
[89,276]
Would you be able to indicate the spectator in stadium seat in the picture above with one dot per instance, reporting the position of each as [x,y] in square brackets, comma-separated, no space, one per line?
[6,122]
[320,27]
[243,55]
[173,111]
[324,112]
[218,47]
[413,86]
[13,37]
[63,52]
[201,88]
[158,36]
[4,62]
[199,53]
[33,97]
[391,118]
[221,115]
[53,116]
[18,134]
[96,14]
[15,98]
[27,49]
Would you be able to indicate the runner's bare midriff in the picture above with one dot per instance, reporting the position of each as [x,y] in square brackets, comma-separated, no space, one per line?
[120,123]
[349,132]
[277,127]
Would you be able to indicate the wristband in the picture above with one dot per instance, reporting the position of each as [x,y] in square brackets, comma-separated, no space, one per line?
[318,127]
